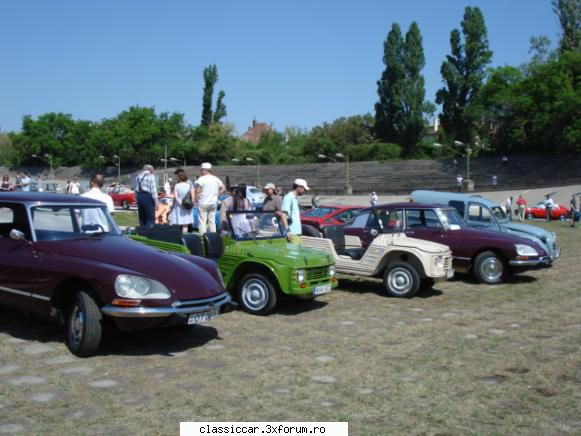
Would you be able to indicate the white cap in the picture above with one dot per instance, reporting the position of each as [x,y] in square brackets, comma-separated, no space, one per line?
[206,166]
[302,182]
[269,186]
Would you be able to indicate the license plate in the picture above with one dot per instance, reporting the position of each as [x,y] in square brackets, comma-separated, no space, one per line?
[198,317]
[450,274]
[323,289]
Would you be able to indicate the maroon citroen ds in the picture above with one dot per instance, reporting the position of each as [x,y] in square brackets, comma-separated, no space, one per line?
[64,257]
[491,256]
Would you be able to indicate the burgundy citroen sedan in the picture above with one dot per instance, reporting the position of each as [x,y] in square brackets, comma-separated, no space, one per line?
[491,256]
[64,257]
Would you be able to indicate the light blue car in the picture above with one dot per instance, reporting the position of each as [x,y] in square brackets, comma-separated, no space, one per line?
[479,212]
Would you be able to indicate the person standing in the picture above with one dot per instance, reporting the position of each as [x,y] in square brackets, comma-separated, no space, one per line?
[146,191]
[272,201]
[494,180]
[25,182]
[74,187]
[522,206]
[18,181]
[6,185]
[92,216]
[373,199]
[573,210]
[208,189]
[182,215]
[459,179]
[509,207]
[234,203]
[291,216]
[549,203]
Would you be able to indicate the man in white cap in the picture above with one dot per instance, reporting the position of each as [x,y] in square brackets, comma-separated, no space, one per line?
[208,189]
[272,202]
[291,216]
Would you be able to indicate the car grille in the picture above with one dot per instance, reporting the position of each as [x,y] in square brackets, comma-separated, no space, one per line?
[312,274]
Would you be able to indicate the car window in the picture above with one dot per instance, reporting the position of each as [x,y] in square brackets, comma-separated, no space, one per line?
[477,213]
[59,219]
[13,216]
[6,215]
[319,212]
[422,218]
[459,206]
[346,215]
[360,221]
[391,219]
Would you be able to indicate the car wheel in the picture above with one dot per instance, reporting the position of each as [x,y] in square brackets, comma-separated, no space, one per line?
[401,280]
[308,230]
[125,204]
[489,268]
[256,294]
[529,216]
[83,326]
[427,283]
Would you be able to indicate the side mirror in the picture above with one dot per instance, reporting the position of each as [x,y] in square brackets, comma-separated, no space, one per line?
[374,232]
[17,235]
[454,227]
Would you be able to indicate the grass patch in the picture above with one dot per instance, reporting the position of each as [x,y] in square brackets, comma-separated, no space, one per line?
[129,219]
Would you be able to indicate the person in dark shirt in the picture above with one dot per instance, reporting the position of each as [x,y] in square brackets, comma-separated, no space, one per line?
[272,202]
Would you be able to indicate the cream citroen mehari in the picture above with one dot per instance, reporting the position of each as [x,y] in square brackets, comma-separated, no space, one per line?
[406,264]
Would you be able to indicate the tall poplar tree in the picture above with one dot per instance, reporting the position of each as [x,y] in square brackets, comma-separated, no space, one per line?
[220,111]
[210,79]
[463,73]
[569,13]
[388,108]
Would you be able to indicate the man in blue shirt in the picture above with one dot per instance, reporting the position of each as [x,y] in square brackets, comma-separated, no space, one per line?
[291,216]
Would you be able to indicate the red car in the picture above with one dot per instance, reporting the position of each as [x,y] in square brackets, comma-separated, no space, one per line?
[559,212]
[313,220]
[123,197]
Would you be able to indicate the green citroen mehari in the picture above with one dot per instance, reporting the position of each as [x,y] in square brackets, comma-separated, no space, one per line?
[257,263]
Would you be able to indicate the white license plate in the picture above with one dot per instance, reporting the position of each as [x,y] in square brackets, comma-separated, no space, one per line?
[323,289]
[198,317]
[450,274]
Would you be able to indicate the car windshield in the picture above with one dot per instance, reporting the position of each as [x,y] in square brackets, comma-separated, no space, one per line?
[60,222]
[255,225]
[450,216]
[319,212]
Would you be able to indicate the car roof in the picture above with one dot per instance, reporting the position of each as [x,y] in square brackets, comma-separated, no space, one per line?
[340,206]
[445,197]
[38,197]
[409,205]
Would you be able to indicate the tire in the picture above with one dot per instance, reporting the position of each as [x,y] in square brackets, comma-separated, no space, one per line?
[490,268]
[529,216]
[256,294]
[427,283]
[125,204]
[401,280]
[83,328]
[308,230]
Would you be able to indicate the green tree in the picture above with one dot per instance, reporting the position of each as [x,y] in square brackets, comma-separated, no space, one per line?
[569,13]
[388,108]
[220,111]
[463,73]
[210,78]
[8,153]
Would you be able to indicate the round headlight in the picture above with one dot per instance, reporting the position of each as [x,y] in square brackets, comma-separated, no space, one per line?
[332,270]
[525,250]
[301,275]
[439,261]
[129,286]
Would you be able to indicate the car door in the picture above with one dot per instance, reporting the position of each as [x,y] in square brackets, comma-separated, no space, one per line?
[18,259]
[425,224]
[480,217]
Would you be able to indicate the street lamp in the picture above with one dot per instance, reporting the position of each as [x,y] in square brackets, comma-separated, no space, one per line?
[468,183]
[47,158]
[348,188]
[117,161]
[249,159]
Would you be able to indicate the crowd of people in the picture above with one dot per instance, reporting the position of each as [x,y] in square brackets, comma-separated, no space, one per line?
[21,182]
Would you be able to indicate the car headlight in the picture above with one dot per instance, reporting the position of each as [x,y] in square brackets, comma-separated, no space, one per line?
[128,286]
[301,275]
[525,250]
[332,270]
[439,262]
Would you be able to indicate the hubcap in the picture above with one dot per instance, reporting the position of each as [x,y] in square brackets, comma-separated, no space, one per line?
[254,294]
[77,322]
[399,280]
[491,268]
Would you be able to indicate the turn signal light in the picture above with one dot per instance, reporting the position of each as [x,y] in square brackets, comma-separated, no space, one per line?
[334,279]
[303,285]
[126,303]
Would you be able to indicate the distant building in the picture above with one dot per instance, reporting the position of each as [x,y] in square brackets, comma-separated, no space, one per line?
[254,133]
[431,133]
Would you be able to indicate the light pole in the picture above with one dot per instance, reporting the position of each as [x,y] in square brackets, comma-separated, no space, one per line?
[117,161]
[249,159]
[48,159]
[468,183]
[348,188]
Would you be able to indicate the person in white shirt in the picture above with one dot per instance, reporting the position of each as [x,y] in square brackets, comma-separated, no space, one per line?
[74,187]
[167,187]
[25,182]
[93,216]
[549,203]
[208,189]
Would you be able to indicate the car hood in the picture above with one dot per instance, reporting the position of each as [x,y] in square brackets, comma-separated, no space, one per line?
[401,240]
[187,277]
[291,255]
[525,228]
[488,236]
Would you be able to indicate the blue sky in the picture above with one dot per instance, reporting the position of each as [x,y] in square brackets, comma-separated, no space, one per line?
[294,63]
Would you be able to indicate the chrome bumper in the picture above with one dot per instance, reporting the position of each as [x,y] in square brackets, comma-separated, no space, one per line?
[543,261]
[177,308]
